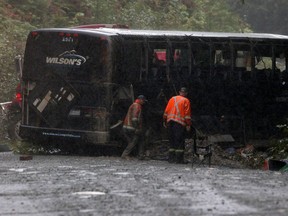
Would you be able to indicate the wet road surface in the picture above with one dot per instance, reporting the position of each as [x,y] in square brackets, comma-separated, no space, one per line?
[73,185]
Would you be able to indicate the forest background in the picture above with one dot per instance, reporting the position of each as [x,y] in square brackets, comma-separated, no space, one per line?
[18,17]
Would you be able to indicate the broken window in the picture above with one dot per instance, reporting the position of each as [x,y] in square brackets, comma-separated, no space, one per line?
[157,59]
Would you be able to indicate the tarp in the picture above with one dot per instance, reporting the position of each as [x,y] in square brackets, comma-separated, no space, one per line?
[284,168]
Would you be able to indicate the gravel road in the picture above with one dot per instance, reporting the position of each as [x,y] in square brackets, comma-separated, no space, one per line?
[73,185]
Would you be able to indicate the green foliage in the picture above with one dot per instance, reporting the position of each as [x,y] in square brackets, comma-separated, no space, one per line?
[12,41]
[177,15]
[279,147]
[138,15]
[208,15]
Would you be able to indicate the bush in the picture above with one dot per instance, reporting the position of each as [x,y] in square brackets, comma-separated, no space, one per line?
[279,147]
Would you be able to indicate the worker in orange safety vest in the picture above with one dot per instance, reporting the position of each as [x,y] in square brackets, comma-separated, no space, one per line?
[177,118]
[133,127]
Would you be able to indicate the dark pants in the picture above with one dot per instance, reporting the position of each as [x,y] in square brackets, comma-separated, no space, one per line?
[177,134]
[133,140]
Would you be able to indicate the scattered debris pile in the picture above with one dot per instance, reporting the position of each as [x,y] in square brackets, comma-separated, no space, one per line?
[245,157]
[276,165]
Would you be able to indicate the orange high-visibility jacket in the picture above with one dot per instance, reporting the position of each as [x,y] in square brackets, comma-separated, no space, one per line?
[133,119]
[178,109]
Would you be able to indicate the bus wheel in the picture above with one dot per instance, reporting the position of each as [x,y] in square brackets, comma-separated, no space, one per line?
[14,127]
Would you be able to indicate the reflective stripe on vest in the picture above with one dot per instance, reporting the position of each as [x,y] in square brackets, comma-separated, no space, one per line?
[177,117]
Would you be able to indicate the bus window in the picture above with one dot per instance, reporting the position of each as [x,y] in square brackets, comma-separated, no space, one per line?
[280,58]
[222,58]
[281,62]
[159,56]
[243,65]
[180,61]
[157,61]
[280,72]
[201,60]
[263,57]
[222,61]
[158,65]
[263,62]
[132,62]
[241,59]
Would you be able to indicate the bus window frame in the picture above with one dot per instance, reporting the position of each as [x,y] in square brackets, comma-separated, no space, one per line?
[197,62]
[181,45]
[152,46]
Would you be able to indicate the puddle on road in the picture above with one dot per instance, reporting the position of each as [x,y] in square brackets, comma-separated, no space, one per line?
[98,165]
[123,193]
[87,210]
[88,194]
[68,167]
[17,170]
[22,171]
[122,173]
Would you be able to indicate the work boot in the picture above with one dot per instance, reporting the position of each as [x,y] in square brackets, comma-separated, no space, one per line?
[171,156]
[127,158]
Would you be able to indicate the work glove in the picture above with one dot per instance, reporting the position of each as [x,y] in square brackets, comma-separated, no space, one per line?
[188,128]
[164,124]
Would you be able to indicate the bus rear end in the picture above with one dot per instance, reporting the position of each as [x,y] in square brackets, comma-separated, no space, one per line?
[65,86]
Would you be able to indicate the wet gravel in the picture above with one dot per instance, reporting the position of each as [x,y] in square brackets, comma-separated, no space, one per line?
[74,185]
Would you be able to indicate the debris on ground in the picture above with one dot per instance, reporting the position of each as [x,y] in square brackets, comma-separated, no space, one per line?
[25,157]
[284,168]
[246,157]
[276,165]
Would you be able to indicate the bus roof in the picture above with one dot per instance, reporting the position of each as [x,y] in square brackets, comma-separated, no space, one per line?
[134,32]
[170,33]
[94,26]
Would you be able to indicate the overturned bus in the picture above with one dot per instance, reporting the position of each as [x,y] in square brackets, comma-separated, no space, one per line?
[78,83]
